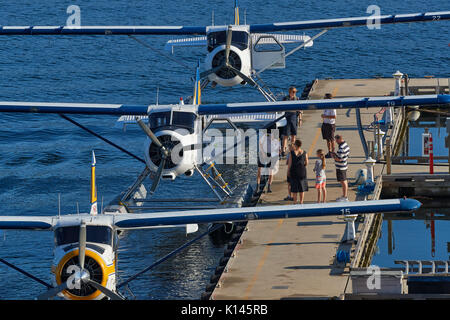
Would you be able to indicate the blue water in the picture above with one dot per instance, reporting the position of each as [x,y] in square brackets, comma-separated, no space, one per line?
[438,134]
[412,240]
[42,155]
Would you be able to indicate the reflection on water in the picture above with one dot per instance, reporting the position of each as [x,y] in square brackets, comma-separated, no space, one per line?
[424,235]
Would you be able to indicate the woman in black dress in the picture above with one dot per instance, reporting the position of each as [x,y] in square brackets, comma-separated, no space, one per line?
[298,160]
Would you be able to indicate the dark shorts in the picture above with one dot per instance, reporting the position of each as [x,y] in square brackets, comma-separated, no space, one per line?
[290,129]
[328,131]
[341,175]
[299,185]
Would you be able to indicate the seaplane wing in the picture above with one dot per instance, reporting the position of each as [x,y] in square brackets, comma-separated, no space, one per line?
[151,220]
[350,22]
[27,222]
[74,108]
[228,108]
[202,30]
[164,219]
[342,103]
[101,30]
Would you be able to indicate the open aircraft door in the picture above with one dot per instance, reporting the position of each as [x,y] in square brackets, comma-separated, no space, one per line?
[267,52]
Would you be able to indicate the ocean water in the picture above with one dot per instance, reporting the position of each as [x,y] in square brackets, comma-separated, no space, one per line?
[416,239]
[43,155]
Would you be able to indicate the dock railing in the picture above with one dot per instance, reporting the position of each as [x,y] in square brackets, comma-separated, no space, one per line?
[368,237]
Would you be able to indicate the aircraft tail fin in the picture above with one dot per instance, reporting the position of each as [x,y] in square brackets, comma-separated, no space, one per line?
[236,13]
[94,209]
[197,88]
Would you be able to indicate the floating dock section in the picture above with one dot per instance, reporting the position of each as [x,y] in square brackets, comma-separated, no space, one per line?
[299,258]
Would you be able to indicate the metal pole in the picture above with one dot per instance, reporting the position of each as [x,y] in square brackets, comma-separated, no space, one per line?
[390,237]
[431,154]
[388,156]
[208,183]
[379,145]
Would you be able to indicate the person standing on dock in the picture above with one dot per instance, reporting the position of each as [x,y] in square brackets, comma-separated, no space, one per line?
[293,120]
[298,160]
[268,156]
[341,158]
[289,196]
[329,127]
[321,179]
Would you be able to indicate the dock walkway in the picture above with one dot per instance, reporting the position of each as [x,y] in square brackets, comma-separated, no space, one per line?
[295,258]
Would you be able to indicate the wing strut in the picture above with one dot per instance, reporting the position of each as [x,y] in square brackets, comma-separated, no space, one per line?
[100,137]
[293,51]
[29,275]
[170,255]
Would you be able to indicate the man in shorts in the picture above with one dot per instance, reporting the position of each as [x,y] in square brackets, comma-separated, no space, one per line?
[329,127]
[340,160]
[293,119]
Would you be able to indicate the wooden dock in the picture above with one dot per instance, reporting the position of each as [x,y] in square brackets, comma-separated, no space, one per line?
[296,258]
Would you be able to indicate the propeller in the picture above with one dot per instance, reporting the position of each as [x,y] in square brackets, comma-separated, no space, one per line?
[226,63]
[53,292]
[228,46]
[165,154]
[81,275]
[110,294]
[82,246]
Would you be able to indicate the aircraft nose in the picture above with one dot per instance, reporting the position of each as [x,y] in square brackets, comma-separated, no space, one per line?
[410,204]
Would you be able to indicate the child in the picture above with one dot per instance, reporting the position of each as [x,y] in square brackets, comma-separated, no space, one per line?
[321,179]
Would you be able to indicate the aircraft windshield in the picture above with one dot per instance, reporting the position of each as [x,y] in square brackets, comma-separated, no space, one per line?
[159,119]
[238,39]
[184,119]
[96,234]
[179,119]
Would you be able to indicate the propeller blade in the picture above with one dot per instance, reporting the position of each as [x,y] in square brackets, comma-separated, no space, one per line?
[82,245]
[53,291]
[158,176]
[206,73]
[227,49]
[243,76]
[110,294]
[152,136]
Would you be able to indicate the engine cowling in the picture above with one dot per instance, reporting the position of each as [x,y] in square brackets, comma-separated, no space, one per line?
[94,265]
[239,59]
[182,153]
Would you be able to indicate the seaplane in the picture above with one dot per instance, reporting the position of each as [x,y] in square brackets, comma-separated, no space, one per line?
[86,244]
[177,134]
[236,53]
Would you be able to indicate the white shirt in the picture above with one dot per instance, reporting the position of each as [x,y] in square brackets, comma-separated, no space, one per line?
[329,112]
[273,148]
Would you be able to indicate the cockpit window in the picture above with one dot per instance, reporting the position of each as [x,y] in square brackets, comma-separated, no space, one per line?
[159,119]
[97,234]
[183,119]
[238,39]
